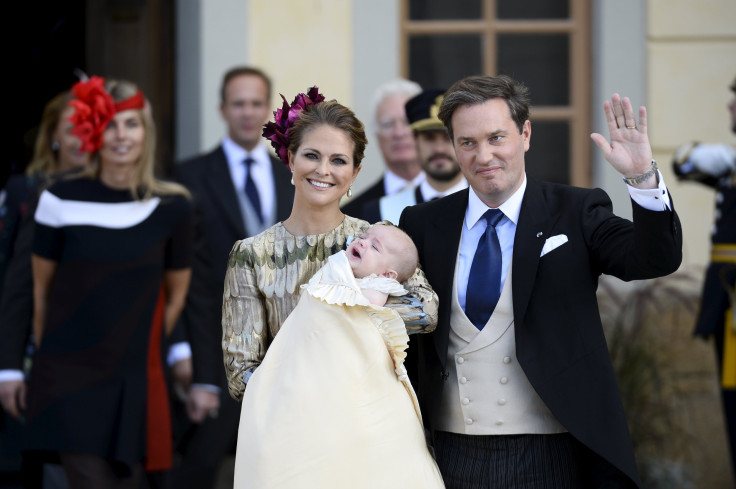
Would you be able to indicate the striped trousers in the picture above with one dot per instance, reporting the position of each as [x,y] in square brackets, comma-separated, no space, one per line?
[556,461]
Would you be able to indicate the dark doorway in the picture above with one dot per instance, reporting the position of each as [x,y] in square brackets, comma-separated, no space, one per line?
[46,45]
[134,40]
[130,39]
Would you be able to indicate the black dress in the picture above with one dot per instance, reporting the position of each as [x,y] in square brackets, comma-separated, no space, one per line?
[96,385]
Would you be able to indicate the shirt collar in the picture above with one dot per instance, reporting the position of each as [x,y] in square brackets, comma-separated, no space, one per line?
[392,183]
[511,208]
[235,153]
[429,193]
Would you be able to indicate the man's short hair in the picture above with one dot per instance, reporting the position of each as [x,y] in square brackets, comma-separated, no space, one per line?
[388,89]
[244,71]
[476,90]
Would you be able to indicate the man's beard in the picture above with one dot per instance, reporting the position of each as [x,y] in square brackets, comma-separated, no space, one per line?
[441,174]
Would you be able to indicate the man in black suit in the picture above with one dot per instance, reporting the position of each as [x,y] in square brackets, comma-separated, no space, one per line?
[516,384]
[396,142]
[222,183]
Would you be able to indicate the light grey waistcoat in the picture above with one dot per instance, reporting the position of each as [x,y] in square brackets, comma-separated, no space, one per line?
[487,392]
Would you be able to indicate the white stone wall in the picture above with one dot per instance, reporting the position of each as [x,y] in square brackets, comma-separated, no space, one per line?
[692,61]
[211,38]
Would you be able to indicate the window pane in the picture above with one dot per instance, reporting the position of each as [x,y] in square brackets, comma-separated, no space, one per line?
[439,61]
[548,157]
[532,9]
[540,61]
[445,10]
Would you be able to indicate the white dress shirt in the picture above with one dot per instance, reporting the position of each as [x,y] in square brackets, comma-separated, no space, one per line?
[262,174]
[393,183]
[429,192]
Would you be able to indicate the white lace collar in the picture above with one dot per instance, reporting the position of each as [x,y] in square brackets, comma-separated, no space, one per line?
[334,283]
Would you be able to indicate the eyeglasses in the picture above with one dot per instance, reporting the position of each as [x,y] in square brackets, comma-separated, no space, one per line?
[387,125]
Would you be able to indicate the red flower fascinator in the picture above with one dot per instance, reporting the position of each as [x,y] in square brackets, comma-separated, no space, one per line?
[94,108]
[278,131]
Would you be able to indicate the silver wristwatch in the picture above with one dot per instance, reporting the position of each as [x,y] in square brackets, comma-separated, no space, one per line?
[644,176]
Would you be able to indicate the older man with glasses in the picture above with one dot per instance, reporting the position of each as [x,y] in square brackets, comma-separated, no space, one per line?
[396,142]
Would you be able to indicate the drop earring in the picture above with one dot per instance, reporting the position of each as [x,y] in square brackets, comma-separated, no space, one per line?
[350,191]
[292,178]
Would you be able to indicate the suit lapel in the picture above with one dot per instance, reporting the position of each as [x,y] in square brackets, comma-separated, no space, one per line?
[532,230]
[444,234]
[221,188]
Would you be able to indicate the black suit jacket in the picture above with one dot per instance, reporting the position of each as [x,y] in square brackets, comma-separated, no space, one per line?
[16,303]
[219,226]
[16,299]
[355,208]
[559,337]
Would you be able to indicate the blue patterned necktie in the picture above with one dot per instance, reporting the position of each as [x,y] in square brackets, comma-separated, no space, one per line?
[251,191]
[484,280]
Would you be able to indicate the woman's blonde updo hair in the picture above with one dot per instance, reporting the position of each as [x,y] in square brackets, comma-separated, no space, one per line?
[333,114]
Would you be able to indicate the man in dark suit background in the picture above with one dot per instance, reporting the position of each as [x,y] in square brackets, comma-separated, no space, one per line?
[396,142]
[239,190]
[516,384]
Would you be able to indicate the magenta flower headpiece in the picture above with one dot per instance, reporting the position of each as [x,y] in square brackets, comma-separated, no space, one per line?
[278,131]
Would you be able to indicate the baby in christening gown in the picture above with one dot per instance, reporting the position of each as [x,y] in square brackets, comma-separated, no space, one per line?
[331,405]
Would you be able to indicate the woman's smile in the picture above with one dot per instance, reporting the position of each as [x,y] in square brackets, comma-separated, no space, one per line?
[323,167]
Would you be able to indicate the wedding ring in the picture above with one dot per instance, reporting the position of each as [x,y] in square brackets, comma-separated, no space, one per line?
[631,127]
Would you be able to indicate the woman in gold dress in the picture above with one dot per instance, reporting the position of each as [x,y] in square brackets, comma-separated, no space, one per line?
[265,271]
[323,148]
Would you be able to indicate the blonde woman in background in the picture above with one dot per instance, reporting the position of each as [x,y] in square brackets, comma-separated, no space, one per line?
[56,151]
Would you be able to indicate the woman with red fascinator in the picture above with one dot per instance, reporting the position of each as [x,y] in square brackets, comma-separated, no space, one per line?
[110,260]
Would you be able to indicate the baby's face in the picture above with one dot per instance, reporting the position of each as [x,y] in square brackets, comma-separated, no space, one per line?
[373,252]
